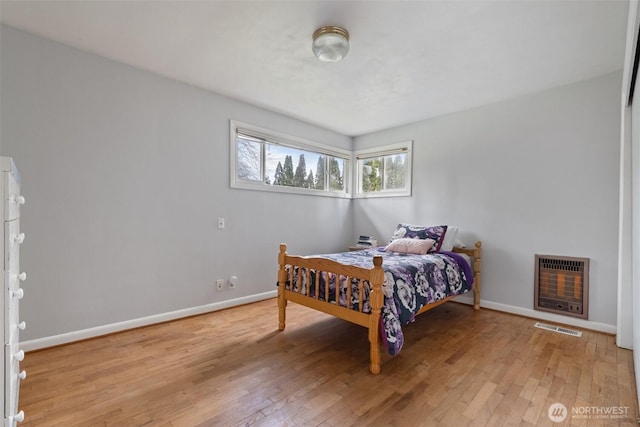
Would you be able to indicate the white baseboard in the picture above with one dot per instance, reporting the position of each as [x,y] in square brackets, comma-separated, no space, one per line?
[542,315]
[83,334]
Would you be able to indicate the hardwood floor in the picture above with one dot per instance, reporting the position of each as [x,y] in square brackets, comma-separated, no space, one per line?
[231,368]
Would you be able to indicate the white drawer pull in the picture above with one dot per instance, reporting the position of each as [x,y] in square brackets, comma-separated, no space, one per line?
[19,293]
[22,375]
[20,200]
[22,325]
[19,356]
[19,417]
[22,276]
[19,239]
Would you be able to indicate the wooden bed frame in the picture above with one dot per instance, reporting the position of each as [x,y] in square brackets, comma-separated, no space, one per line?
[374,275]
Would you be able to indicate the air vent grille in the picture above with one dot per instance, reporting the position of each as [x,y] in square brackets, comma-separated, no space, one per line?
[558,329]
[562,285]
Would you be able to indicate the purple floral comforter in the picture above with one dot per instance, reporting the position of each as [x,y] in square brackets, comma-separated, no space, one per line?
[410,282]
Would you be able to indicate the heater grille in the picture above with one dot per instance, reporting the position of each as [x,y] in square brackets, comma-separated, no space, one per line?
[562,285]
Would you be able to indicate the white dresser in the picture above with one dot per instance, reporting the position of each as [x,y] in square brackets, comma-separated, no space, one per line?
[12,292]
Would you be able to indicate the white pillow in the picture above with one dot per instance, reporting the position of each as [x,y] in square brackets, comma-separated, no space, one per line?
[410,246]
[449,238]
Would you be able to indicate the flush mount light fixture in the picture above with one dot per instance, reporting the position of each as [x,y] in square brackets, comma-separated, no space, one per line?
[330,44]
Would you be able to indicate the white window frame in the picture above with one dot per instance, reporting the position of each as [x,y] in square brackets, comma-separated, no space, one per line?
[385,150]
[293,142]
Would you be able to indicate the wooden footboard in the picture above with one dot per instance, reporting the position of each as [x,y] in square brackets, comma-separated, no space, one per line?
[309,292]
[311,297]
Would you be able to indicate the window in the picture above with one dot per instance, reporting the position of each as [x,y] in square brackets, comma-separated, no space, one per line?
[383,171]
[270,161]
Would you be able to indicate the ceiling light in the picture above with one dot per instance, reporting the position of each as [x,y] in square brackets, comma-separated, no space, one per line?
[330,44]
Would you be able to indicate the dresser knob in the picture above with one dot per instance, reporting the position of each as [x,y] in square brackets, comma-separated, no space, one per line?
[19,239]
[19,293]
[22,276]
[20,200]
[22,325]
[19,356]
[19,417]
[22,375]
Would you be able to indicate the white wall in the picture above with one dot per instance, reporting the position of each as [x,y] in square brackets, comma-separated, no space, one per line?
[630,198]
[624,338]
[629,228]
[538,174]
[125,173]
[635,228]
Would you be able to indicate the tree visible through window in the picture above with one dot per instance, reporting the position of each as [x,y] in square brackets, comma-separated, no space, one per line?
[384,172]
[260,161]
[249,158]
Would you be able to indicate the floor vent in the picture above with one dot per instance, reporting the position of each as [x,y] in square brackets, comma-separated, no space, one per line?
[558,329]
[562,285]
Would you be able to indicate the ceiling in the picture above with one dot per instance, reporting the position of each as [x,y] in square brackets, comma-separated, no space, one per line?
[408,61]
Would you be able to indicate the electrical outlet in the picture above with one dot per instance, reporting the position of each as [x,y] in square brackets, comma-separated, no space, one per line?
[233,282]
[220,284]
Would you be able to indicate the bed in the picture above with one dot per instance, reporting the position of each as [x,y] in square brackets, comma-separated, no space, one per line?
[379,288]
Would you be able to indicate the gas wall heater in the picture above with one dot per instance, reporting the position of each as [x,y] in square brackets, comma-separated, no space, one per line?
[562,285]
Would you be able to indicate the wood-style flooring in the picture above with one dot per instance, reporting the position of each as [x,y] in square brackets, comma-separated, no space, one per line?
[233,368]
